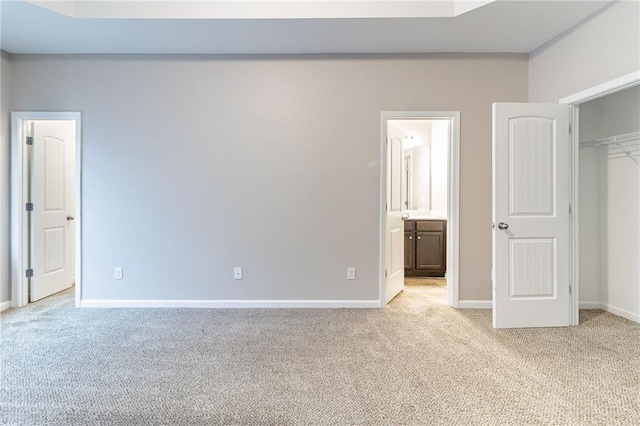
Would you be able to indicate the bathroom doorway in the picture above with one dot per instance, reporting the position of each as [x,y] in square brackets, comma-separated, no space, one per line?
[428,184]
[425,192]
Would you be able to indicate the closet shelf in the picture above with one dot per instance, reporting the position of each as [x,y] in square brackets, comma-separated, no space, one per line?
[619,146]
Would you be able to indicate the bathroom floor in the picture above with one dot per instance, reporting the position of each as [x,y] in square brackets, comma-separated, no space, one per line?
[425,290]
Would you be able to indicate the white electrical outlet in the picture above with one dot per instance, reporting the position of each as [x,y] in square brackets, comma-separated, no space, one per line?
[117,272]
[351,273]
[237,273]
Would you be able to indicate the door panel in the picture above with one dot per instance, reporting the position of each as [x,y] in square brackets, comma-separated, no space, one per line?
[409,254]
[531,205]
[531,267]
[54,253]
[395,210]
[54,173]
[531,156]
[52,193]
[429,250]
[397,250]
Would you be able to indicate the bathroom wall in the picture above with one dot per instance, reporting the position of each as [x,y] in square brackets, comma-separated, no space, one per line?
[439,167]
[429,159]
[421,180]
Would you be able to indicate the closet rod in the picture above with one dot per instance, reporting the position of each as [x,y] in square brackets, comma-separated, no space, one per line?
[628,153]
[620,146]
[627,137]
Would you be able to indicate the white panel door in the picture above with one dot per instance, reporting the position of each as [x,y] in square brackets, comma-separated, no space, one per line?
[395,212]
[52,194]
[531,173]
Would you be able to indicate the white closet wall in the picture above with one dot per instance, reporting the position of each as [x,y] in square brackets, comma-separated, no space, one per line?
[610,208]
[589,225]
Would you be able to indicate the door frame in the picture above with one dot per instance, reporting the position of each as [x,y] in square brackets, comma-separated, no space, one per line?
[453,201]
[574,101]
[19,193]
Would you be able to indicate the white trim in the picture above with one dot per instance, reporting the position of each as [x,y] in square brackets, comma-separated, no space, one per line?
[145,303]
[19,250]
[453,215]
[631,316]
[590,305]
[78,217]
[5,305]
[604,89]
[621,312]
[574,101]
[574,220]
[475,304]
[18,295]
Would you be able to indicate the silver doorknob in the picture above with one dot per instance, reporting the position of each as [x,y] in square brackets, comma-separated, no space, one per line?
[503,226]
[70,217]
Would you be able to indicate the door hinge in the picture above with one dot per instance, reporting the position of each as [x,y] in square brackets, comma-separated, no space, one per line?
[28,207]
[385,273]
[28,273]
[570,289]
[29,140]
[570,129]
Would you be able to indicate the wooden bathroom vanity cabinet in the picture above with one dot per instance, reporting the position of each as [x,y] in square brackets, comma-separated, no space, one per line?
[425,248]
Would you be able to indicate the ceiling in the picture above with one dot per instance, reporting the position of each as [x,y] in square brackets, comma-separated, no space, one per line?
[305,27]
[260,9]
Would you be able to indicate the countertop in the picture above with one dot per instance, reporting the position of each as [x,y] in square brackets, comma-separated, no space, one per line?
[419,217]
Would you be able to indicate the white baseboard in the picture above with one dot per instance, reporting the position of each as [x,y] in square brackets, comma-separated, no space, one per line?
[631,316]
[120,303]
[5,305]
[475,304]
[612,310]
[488,304]
[590,305]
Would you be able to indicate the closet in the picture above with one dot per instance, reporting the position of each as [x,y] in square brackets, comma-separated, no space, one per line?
[609,206]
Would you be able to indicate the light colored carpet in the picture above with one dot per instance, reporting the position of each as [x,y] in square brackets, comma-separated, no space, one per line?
[416,362]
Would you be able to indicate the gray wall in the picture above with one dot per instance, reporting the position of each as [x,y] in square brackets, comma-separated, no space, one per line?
[605,47]
[193,165]
[5,176]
